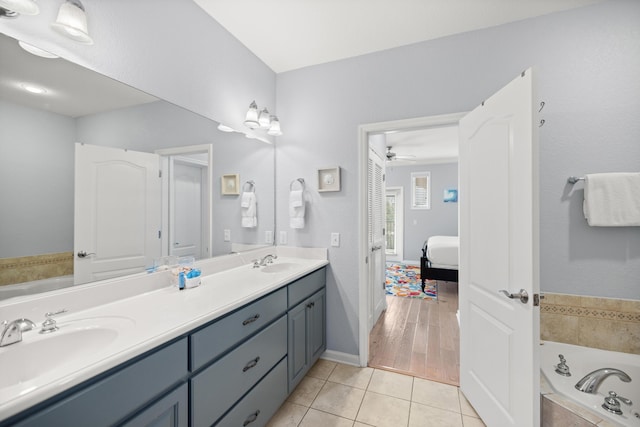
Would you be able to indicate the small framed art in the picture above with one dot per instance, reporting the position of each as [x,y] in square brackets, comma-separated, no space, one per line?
[230,184]
[329,179]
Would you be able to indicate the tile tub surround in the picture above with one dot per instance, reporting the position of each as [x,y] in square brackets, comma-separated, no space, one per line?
[29,268]
[604,323]
[334,394]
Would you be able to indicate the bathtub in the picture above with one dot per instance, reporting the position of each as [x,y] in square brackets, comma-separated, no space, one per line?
[583,360]
[35,286]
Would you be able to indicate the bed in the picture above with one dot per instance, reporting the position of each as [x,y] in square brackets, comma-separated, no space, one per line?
[439,259]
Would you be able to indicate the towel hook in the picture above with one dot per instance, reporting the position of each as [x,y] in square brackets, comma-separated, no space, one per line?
[297,180]
[252,186]
[542,104]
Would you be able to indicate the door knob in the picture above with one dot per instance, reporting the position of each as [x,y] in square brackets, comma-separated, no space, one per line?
[84,254]
[523,296]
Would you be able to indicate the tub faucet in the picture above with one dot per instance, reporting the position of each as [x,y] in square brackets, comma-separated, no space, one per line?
[590,382]
[12,331]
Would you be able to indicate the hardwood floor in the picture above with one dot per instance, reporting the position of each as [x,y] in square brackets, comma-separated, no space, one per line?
[419,337]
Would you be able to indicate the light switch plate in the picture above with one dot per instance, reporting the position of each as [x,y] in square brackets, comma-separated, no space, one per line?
[283,238]
[227,235]
[335,239]
[268,236]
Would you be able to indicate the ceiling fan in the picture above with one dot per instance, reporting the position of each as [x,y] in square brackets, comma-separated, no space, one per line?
[391,156]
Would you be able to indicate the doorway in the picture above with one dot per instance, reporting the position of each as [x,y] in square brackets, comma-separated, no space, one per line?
[365,285]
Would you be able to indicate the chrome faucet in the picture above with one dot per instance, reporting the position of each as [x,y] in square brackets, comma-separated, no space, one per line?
[590,382]
[12,331]
[268,259]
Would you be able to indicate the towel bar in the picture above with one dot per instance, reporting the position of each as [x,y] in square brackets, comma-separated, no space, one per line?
[574,179]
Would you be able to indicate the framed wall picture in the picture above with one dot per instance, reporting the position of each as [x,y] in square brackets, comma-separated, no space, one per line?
[230,184]
[329,179]
[450,195]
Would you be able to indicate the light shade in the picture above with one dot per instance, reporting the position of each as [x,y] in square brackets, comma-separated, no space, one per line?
[36,50]
[274,127]
[251,119]
[264,119]
[72,22]
[23,7]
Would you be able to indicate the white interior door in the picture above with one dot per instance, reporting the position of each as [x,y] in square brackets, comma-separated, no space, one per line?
[117,212]
[186,221]
[375,200]
[499,337]
[394,227]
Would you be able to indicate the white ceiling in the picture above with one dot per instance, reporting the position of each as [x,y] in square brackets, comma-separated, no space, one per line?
[424,146]
[291,34]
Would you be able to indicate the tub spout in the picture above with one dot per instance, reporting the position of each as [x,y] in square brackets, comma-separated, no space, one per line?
[590,382]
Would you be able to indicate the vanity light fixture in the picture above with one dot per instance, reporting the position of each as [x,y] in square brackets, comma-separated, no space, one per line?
[21,7]
[36,50]
[72,22]
[261,119]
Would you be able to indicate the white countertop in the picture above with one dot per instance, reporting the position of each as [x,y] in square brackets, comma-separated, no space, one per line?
[143,321]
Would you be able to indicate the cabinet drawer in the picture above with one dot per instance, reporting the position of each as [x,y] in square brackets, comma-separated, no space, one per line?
[218,387]
[215,339]
[261,403]
[118,395]
[305,286]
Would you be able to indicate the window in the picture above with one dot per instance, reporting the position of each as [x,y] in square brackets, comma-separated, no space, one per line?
[421,190]
[391,224]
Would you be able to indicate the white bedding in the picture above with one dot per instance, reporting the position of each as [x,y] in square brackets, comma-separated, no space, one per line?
[442,251]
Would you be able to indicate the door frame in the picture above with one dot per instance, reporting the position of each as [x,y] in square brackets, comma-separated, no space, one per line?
[363,245]
[399,222]
[207,205]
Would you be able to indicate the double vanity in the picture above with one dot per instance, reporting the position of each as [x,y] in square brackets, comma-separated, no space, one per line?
[138,351]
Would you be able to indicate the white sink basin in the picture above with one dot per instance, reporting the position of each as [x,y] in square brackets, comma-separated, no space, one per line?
[280,267]
[39,354]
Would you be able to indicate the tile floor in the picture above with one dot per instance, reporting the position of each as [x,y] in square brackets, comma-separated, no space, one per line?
[333,394]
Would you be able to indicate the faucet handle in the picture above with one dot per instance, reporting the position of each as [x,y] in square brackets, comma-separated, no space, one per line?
[562,368]
[49,325]
[612,403]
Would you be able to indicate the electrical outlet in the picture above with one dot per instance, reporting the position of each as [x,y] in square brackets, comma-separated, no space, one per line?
[335,239]
[283,238]
[227,235]
[268,236]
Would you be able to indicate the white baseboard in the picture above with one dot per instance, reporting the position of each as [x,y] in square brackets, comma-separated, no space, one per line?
[337,356]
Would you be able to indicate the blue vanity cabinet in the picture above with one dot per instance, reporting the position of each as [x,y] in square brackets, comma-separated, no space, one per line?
[115,398]
[307,319]
[170,411]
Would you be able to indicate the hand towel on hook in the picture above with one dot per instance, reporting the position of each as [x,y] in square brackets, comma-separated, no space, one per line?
[248,207]
[296,209]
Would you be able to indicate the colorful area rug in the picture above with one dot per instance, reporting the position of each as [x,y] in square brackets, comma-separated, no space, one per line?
[403,280]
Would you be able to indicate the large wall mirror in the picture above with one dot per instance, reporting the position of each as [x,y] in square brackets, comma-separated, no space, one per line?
[44,141]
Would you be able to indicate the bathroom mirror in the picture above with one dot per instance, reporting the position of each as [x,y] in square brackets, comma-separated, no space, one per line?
[38,136]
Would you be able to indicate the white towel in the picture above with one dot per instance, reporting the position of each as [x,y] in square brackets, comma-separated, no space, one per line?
[612,199]
[296,209]
[248,205]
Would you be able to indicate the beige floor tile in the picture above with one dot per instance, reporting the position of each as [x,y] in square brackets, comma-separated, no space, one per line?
[306,391]
[339,399]
[322,419]
[351,375]
[428,416]
[436,394]
[391,384]
[468,421]
[289,415]
[322,369]
[383,411]
[465,406]
[359,424]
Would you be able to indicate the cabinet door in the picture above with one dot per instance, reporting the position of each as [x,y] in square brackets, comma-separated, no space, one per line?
[297,344]
[170,411]
[317,331]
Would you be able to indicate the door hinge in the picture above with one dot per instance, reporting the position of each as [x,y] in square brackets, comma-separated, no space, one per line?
[160,174]
[384,177]
[159,234]
[366,260]
[536,300]
[384,232]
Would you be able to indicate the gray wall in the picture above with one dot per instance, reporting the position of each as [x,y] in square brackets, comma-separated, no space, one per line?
[588,62]
[36,181]
[420,224]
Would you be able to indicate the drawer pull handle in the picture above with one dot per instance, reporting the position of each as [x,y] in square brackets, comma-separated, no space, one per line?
[251,319]
[251,418]
[311,304]
[251,364]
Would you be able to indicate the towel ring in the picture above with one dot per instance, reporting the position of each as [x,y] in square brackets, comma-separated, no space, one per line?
[298,180]
[252,186]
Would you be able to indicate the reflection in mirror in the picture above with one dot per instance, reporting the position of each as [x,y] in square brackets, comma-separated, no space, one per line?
[40,139]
